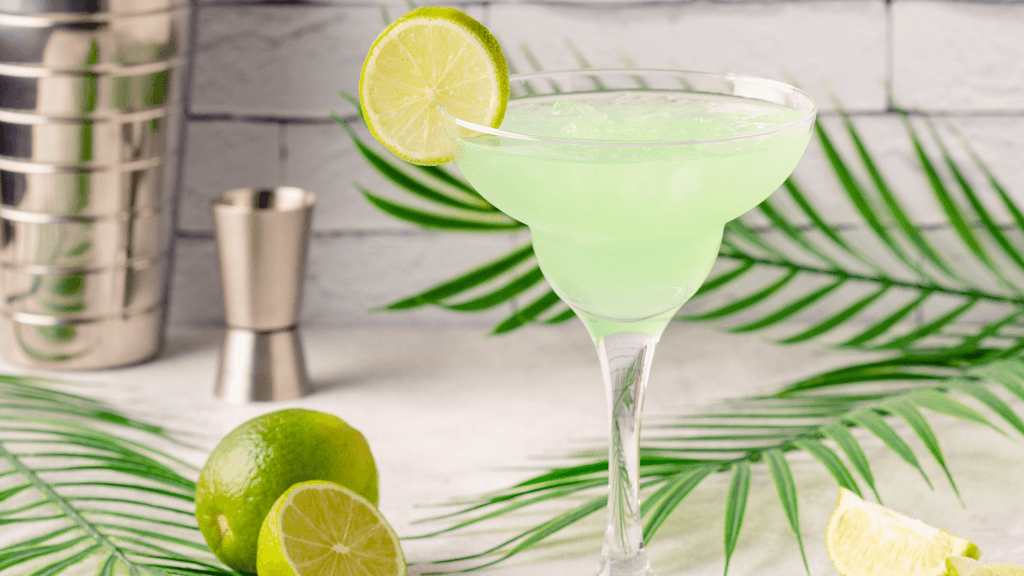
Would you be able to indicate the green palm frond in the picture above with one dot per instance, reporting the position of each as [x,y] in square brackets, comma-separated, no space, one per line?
[87,490]
[453,204]
[816,416]
[787,258]
[815,255]
[801,265]
[937,307]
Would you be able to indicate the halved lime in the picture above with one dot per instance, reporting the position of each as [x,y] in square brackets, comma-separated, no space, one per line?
[967,567]
[430,58]
[255,463]
[323,529]
[867,539]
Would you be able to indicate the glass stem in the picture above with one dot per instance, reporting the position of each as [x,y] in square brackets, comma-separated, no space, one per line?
[626,362]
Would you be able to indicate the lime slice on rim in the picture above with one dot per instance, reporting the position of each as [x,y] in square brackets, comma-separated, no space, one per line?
[321,528]
[430,58]
[867,539]
[967,567]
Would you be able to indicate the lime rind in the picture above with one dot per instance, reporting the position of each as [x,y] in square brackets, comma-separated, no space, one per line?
[401,88]
[259,460]
[959,566]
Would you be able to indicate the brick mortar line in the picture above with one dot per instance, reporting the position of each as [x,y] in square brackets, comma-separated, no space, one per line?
[320,234]
[581,4]
[329,234]
[626,4]
[598,4]
[282,153]
[318,121]
[313,4]
[263,119]
[890,53]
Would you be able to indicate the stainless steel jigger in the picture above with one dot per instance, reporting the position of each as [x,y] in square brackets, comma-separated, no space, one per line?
[261,243]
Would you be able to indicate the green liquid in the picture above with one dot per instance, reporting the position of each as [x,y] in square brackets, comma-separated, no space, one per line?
[627,233]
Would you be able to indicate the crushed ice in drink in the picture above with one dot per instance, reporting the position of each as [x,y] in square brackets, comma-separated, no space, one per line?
[640,116]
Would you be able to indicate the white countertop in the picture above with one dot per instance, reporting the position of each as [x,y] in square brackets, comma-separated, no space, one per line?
[451,412]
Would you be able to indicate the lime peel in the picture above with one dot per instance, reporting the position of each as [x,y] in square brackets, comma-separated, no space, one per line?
[259,460]
[959,566]
[431,57]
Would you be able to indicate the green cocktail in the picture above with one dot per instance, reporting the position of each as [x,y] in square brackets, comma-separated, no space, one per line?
[630,232]
[626,179]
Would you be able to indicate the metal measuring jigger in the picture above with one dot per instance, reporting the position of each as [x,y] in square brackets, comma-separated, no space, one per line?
[261,243]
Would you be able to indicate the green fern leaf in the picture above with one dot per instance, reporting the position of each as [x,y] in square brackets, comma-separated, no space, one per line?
[849,445]
[905,409]
[94,491]
[782,476]
[657,507]
[994,402]
[872,421]
[831,461]
[892,202]
[735,506]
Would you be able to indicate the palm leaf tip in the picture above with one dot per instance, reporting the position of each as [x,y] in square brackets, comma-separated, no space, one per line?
[659,506]
[439,220]
[114,487]
[474,279]
[906,410]
[735,506]
[353,101]
[782,476]
[831,461]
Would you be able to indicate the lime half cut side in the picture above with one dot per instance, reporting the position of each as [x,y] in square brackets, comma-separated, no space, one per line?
[321,528]
[430,58]
[867,539]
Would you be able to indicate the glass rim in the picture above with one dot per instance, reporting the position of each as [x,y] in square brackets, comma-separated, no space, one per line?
[781,87]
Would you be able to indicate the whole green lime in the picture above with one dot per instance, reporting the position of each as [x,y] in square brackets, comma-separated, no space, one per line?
[258,461]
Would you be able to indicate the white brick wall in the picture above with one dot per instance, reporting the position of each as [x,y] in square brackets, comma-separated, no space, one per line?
[266,75]
[282,60]
[222,155]
[959,56]
[822,45]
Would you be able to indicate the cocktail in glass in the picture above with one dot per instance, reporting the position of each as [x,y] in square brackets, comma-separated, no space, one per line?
[626,179]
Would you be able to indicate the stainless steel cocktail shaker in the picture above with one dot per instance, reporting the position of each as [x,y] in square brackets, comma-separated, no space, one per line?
[89,136]
[262,236]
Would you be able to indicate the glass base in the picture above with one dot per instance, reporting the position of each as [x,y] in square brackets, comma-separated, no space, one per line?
[635,566]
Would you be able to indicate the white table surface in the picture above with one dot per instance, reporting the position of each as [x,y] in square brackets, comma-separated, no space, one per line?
[451,412]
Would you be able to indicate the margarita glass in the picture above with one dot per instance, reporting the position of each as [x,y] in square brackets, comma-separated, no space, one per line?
[626,179]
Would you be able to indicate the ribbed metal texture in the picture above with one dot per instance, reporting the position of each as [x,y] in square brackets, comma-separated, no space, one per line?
[90,94]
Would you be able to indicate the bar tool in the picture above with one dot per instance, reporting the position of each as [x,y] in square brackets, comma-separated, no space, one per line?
[90,110]
[262,236]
